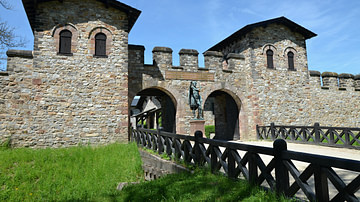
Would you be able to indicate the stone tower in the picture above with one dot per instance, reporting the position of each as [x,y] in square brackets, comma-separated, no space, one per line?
[76,85]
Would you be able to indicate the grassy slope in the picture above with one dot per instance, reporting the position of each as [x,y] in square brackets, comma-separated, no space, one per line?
[92,174]
[78,173]
[201,186]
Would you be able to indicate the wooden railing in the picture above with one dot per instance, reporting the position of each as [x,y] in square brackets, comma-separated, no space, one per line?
[247,161]
[328,136]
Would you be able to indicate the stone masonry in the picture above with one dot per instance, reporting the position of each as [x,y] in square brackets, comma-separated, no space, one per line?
[49,99]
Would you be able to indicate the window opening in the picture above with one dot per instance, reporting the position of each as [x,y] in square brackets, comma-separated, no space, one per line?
[65,42]
[100,44]
[291,60]
[269,58]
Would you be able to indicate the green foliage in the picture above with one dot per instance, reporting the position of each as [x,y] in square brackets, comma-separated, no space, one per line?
[6,144]
[209,129]
[200,186]
[73,174]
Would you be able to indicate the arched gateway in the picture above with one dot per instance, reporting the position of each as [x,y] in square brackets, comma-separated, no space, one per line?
[56,98]
[224,106]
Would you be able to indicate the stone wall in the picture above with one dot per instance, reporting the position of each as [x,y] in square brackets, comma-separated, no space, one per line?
[49,99]
[262,95]
[70,99]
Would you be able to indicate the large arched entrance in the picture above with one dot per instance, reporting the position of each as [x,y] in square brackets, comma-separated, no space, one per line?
[225,107]
[157,107]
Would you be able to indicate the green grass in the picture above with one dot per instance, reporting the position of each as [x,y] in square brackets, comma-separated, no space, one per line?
[87,173]
[72,174]
[200,186]
[209,129]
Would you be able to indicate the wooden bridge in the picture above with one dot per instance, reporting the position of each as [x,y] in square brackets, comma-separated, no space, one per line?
[295,174]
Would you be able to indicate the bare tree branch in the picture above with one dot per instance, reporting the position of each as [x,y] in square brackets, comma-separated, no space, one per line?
[5,4]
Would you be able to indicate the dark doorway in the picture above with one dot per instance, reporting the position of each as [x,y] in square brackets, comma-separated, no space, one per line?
[226,115]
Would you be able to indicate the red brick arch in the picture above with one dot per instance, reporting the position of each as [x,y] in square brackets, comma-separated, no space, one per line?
[109,39]
[74,39]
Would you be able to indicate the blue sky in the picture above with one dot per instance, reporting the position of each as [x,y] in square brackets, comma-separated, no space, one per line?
[201,24]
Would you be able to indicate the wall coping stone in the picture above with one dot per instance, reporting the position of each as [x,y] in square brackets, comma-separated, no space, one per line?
[177,67]
[4,73]
[357,77]
[314,73]
[346,76]
[162,49]
[213,53]
[188,52]
[329,74]
[136,47]
[235,56]
[20,53]
[203,69]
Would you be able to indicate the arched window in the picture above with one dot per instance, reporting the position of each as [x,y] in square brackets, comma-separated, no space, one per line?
[65,42]
[269,59]
[290,56]
[100,44]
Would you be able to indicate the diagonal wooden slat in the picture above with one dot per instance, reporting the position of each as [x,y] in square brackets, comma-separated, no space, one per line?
[300,182]
[265,171]
[340,185]
[352,187]
[240,168]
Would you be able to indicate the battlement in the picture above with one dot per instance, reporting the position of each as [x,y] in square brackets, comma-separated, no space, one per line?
[189,61]
[332,80]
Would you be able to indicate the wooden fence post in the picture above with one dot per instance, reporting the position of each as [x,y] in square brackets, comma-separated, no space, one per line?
[317,132]
[160,144]
[253,169]
[198,135]
[281,173]
[321,184]
[214,160]
[272,129]
[347,137]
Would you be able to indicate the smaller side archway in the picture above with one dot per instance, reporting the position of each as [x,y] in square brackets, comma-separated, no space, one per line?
[164,116]
[225,107]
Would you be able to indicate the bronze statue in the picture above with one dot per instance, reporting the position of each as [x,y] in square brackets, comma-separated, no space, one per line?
[195,100]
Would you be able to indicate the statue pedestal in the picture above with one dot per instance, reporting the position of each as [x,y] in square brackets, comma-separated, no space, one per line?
[197,125]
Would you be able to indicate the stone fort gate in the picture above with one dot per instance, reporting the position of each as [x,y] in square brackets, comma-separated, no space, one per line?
[78,82]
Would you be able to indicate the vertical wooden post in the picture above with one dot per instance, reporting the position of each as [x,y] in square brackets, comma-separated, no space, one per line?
[160,145]
[214,160]
[347,137]
[198,134]
[317,132]
[272,129]
[332,140]
[186,153]
[321,184]
[281,173]
[253,171]
[231,165]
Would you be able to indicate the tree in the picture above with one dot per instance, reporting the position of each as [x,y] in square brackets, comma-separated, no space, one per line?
[8,38]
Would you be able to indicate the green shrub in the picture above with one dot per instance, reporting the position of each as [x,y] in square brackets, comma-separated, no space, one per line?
[209,129]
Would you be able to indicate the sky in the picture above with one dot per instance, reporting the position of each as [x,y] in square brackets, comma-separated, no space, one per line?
[201,24]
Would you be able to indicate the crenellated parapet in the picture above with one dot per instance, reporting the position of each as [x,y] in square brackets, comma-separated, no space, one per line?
[332,80]
[213,59]
[162,56]
[189,61]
